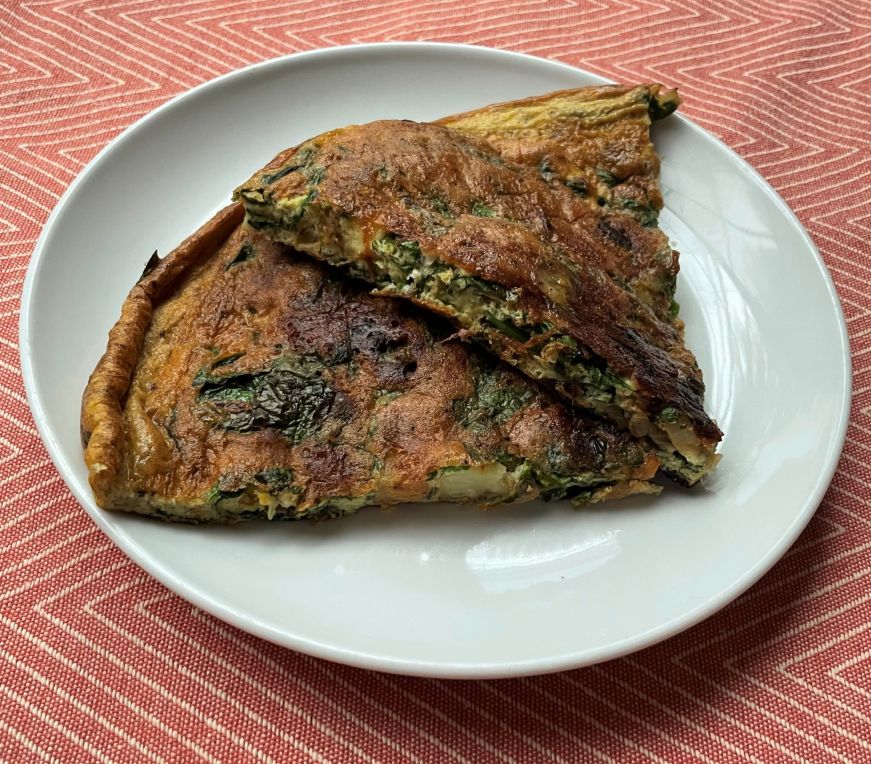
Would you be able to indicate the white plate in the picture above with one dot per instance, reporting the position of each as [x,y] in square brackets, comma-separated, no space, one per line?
[446,590]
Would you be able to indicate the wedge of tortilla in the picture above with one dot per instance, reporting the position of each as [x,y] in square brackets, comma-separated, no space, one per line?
[575,294]
[243,380]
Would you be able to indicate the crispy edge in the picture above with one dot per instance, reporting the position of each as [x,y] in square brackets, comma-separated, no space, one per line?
[102,422]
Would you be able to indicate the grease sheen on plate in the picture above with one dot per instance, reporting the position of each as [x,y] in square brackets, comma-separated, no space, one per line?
[448,590]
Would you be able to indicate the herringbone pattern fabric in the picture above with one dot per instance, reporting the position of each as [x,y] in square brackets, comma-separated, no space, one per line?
[100,662]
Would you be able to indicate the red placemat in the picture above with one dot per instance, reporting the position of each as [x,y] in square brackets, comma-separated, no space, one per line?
[100,662]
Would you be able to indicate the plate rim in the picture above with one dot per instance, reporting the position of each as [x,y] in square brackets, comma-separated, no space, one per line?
[419,667]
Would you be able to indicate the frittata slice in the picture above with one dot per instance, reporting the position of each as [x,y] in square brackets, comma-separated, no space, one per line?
[243,380]
[520,263]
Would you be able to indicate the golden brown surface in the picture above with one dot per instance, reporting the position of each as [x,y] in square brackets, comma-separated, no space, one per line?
[180,417]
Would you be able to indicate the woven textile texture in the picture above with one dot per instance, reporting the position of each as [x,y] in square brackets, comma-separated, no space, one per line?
[100,662]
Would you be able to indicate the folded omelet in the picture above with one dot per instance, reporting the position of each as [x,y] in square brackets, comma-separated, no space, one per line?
[567,279]
[245,380]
